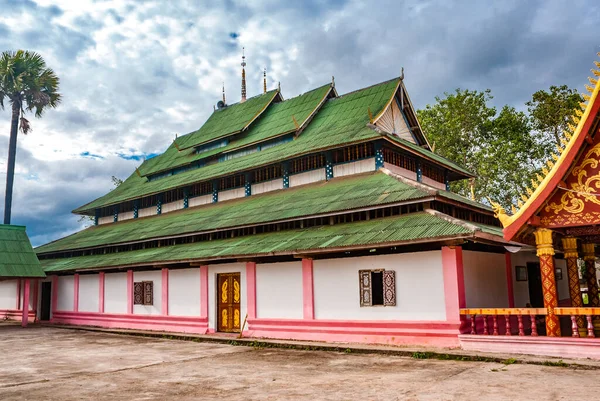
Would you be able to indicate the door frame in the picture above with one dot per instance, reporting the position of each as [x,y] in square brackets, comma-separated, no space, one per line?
[218,298]
[47,284]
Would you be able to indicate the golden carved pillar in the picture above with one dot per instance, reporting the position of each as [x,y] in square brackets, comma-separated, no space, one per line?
[545,251]
[571,256]
[589,256]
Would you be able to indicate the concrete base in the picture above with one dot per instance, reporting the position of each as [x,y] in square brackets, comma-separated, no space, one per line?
[561,347]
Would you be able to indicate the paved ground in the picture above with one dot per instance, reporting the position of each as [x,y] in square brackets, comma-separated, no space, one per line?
[59,364]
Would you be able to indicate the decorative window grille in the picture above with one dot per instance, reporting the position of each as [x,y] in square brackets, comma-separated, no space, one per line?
[143,293]
[307,163]
[400,160]
[377,287]
[203,188]
[433,172]
[268,173]
[355,152]
[235,181]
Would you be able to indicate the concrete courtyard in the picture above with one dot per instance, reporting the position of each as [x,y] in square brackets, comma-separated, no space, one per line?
[43,363]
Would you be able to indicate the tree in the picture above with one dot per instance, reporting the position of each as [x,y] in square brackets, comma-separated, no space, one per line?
[28,86]
[551,112]
[89,220]
[498,149]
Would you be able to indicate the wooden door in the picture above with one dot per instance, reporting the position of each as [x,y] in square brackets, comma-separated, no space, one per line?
[46,300]
[229,297]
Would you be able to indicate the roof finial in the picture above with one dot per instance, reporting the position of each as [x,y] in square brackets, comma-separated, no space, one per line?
[279,86]
[265,81]
[224,102]
[402,74]
[243,76]
[332,81]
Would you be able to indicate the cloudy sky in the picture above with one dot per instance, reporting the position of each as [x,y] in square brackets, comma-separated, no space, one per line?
[135,73]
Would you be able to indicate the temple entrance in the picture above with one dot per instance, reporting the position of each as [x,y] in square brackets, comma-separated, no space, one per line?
[534,277]
[228,300]
[46,301]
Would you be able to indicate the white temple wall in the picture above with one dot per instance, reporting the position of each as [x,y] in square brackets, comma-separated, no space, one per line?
[106,219]
[89,292]
[307,177]
[115,293]
[562,285]
[8,294]
[401,171]
[419,287]
[156,277]
[357,167]
[171,206]
[213,270]
[485,280]
[22,293]
[521,288]
[200,200]
[125,216]
[232,194]
[279,290]
[66,293]
[267,186]
[433,183]
[147,211]
[184,292]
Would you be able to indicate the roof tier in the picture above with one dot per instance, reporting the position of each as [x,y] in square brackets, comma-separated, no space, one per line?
[17,258]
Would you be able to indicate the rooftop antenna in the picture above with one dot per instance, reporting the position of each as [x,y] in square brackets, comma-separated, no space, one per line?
[265,81]
[243,75]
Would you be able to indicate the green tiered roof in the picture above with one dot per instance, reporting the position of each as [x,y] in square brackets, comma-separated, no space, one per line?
[17,258]
[381,232]
[340,121]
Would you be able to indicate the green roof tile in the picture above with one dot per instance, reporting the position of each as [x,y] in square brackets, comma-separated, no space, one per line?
[338,194]
[391,230]
[17,258]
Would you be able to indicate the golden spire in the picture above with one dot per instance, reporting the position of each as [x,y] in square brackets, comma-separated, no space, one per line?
[243,76]
[265,80]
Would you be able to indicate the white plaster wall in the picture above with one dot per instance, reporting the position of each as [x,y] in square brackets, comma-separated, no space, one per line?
[184,292]
[485,280]
[213,270]
[419,287]
[8,294]
[267,186]
[156,307]
[106,219]
[147,211]
[125,216]
[200,200]
[22,293]
[279,290]
[562,286]
[66,293]
[172,206]
[357,167]
[232,194]
[115,293]
[307,177]
[401,171]
[89,285]
[39,299]
[521,288]
[433,183]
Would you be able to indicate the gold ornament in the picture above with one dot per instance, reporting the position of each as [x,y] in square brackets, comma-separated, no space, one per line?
[543,242]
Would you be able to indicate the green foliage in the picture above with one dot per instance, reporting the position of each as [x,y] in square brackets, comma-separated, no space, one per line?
[503,149]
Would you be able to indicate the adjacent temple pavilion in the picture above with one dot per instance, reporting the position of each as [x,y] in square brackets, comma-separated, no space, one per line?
[325,216]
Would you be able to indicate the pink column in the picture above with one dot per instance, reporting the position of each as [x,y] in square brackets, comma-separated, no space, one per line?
[25,316]
[204,292]
[130,292]
[165,291]
[454,283]
[251,288]
[308,298]
[509,281]
[18,294]
[101,292]
[36,290]
[76,293]
[54,293]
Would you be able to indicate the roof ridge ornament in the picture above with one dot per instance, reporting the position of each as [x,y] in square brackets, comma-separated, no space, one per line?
[243,75]
[224,102]
[332,81]
[402,74]
[265,80]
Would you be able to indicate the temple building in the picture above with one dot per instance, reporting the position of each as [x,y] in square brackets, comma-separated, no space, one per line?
[319,217]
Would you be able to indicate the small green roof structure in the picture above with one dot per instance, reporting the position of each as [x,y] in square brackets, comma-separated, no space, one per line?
[17,258]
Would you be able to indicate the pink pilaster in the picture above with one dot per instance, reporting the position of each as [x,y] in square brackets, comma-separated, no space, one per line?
[308,298]
[54,294]
[130,292]
[76,293]
[454,284]
[509,281]
[36,290]
[25,316]
[204,292]
[251,289]
[18,294]
[101,282]
[165,291]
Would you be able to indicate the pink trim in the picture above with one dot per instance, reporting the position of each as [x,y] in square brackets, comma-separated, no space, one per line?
[443,334]
[130,292]
[128,321]
[18,294]
[16,314]
[25,313]
[454,283]
[76,292]
[563,347]
[36,289]
[308,298]
[251,288]
[204,292]
[54,294]
[165,291]
[509,281]
[101,283]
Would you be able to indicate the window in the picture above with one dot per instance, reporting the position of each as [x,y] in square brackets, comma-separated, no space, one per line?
[143,293]
[377,287]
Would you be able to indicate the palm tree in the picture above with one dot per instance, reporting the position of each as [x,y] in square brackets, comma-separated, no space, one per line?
[28,85]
